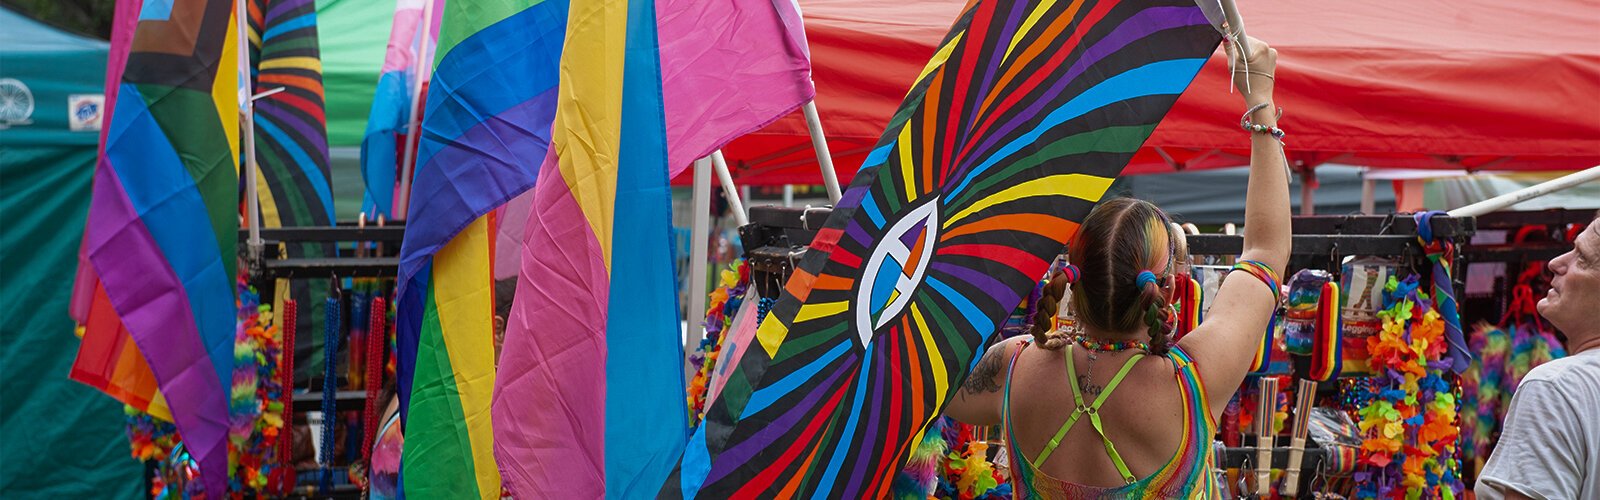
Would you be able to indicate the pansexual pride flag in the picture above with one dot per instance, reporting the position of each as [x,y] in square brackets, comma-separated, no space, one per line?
[391,104]
[488,117]
[163,223]
[589,398]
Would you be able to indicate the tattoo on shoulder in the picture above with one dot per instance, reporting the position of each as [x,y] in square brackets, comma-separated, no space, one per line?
[983,377]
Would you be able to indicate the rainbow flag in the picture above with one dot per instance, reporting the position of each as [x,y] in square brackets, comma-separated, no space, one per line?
[108,359]
[590,394]
[163,223]
[1014,130]
[291,126]
[488,117]
[392,104]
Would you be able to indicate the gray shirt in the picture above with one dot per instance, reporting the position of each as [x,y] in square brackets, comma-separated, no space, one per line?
[1549,447]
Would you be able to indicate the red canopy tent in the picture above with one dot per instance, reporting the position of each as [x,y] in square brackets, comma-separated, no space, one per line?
[1458,84]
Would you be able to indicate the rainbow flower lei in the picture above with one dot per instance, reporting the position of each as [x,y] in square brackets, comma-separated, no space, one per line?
[1410,421]
[720,309]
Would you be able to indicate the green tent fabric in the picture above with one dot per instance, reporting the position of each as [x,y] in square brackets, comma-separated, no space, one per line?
[58,438]
[354,35]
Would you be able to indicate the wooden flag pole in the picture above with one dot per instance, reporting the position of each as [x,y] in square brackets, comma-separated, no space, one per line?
[423,67]
[819,142]
[735,203]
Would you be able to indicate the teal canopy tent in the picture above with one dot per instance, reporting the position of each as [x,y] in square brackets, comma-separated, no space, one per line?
[58,438]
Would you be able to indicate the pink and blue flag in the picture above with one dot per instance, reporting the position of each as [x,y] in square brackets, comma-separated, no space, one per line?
[590,390]
[392,103]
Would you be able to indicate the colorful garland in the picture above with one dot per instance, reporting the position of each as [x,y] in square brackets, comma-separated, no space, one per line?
[967,473]
[1409,425]
[257,396]
[720,309]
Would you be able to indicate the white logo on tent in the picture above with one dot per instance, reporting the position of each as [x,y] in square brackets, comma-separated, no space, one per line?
[16,103]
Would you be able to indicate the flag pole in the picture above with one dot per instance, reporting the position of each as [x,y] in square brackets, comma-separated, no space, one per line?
[819,142]
[1590,174]
[735,203]
[699,236]
[247,116]
[423,67]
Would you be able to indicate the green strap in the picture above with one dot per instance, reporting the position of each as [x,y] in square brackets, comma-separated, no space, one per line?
[1094,414]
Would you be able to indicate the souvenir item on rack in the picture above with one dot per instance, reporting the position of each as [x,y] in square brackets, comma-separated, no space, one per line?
[720,309]
[1362,283]
[1305,394]
[1327,352]
[1187,299]
[921,473]
[1302,310]
[256,409]
[1210,280]
[1338,436]
[1410,424]
[966,472]
[1501,356]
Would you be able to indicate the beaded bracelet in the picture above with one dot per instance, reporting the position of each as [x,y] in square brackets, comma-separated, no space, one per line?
[1262,272]
[1248,126]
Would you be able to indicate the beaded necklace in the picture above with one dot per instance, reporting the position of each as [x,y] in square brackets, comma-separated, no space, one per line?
[1101,345]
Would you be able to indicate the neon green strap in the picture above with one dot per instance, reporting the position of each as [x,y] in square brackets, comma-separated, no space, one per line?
[1093,411]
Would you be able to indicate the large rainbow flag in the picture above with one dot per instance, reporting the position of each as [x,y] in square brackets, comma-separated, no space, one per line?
[590,393]
[163,222]
[1025,115]
[291,125]
[108,359]
[488,116]
[409,36]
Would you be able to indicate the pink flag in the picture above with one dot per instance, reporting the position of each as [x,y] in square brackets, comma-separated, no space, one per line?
[728,68]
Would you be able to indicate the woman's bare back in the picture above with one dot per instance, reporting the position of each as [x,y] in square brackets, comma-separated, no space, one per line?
[1143,416]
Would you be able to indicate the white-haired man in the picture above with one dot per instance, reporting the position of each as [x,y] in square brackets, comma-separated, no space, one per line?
[1549,447]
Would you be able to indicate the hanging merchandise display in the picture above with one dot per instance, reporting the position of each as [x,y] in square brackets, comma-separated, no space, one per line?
[721,309]
[1409,425]
[1501,355]
[1362,283]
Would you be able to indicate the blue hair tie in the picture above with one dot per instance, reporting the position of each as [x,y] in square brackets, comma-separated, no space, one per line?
[1147,277]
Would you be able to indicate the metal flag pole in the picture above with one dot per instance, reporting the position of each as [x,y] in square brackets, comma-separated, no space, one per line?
[247,119]
[1236,25]
[1590,174]
[699,235]
[735,204]
[423,66]
[819,142]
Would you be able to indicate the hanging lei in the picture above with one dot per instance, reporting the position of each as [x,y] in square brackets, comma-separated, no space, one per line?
[1410,423]
[967,473]
[723,303]
[256,399]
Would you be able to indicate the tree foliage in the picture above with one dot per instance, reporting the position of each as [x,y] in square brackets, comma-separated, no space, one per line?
[84,17]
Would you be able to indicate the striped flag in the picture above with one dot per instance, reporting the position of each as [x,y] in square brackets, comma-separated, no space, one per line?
[1013,131]
[163,223]
[108,359]
[489,110]
[291,126]
[590,394]
[409,38]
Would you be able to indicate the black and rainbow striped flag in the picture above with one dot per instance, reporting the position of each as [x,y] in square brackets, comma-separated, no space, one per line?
[1026,114]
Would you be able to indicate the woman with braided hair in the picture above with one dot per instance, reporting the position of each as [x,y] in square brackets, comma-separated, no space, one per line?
[1138,411]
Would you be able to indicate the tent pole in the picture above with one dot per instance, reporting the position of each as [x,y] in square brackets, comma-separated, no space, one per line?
[1369,202]
[423,67]
[247,117]
[819,142]
[1308,180]
[788,195]
[1590,174]
[699,236]
[728,189]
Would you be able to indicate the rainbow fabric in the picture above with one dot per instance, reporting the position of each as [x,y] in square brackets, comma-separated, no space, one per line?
[108,359]
[391,104]
[1014,130]
[291,126]
[163,222]
[488,115]
[590,390]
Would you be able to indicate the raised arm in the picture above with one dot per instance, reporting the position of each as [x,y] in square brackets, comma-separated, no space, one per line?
[1224,345]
